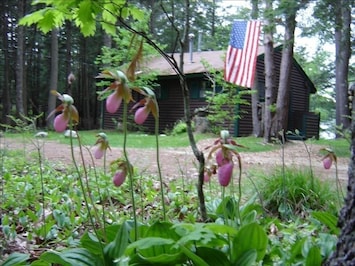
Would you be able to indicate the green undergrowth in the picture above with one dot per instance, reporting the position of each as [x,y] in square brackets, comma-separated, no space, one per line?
[285,217]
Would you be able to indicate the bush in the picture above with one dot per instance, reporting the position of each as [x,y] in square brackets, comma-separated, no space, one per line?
[180,127]
[292,192]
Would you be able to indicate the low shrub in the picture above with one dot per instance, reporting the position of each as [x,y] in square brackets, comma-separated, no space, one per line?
[180,127]
[292,192]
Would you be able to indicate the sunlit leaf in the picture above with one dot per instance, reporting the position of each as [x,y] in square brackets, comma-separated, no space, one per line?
[110,13]
[314,257]
[296,249]
[109,28]
[328,220]
[85,18]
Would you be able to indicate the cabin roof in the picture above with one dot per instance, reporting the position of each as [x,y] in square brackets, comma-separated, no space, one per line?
[214,58]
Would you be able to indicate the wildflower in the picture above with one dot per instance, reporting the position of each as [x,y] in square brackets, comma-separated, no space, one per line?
[119,178]
[121,90]
[60,123]
[120,168]
[146,106]
[329,158]
[141,115]
[225,173]
[225,149]
[113,102]
[223,156]
[101,145]
[68,112]
[327,162]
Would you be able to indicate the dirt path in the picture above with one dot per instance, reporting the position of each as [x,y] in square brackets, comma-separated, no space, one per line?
[177,162]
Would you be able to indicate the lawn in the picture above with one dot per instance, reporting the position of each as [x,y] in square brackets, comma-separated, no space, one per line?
[141,140]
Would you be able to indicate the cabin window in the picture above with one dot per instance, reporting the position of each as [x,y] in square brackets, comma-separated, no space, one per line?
[160,93]
[198,89]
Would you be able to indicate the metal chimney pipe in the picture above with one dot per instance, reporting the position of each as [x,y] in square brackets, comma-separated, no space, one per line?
[191,38]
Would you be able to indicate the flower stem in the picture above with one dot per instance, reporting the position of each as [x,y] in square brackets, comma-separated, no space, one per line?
[159,168]
[338,185]
[82,184]
[40,162]
[130,169]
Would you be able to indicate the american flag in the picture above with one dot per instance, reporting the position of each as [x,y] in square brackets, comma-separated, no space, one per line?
[242,51]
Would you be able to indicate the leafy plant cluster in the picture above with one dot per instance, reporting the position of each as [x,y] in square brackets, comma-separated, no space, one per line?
[242,231]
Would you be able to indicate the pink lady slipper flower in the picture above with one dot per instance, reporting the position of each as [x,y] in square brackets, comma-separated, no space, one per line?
[69,113]
[329,158]
[225,149]
[146,106]
[120,88]
[101,145]
[225,173]
[120,168]
[119,178]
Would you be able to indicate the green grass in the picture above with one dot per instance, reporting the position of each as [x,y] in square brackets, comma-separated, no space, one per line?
[142,140]
[116,139]
[292,192]
[341,147]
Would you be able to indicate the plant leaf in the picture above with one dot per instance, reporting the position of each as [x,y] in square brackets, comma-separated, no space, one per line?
[16,258]
[248,258]
[149,242]
[116,248]
[328,220]
[250,237]
[195,259]
[54,257]
[314,258]
[212,256]
[68,257]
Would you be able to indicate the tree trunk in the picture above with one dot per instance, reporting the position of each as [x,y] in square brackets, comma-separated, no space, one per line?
[255,104]
[256,110]
[53,82]
[345,252]
[270,86]
[283,95]
[68,55]
[84,97]
[186,96]
[20,72]
[5,97]
[342,55]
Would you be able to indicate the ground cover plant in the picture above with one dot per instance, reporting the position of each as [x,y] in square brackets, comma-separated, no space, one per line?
[117,214]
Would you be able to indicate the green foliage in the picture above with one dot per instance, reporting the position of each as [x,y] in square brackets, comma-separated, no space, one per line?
[328,220]
[319,70]
[85,15]
[179,128]
[23,124]
[222,100]
[290,192]
[238,233]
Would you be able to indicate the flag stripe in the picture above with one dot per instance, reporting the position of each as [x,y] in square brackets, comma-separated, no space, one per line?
[242,51]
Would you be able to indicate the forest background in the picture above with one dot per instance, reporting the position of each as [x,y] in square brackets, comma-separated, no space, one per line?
[33,62]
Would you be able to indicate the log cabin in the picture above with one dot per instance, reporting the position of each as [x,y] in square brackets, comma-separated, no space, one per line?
[170,99]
